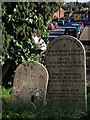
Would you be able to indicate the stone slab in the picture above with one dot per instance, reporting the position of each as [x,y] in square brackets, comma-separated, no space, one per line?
[66,63]
[30,83]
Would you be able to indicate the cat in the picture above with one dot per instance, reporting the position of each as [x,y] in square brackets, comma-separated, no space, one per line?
[39,43]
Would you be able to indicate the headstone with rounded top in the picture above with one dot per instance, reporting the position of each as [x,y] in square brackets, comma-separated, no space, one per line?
[30,83]
[66,63]
[85,40]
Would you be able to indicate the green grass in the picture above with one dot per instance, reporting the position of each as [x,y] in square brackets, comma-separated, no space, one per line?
[12,110]
[6,93]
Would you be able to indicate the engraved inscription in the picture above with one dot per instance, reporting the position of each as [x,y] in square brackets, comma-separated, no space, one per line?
[66,67]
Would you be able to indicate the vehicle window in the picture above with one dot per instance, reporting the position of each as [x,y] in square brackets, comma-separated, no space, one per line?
[71,30]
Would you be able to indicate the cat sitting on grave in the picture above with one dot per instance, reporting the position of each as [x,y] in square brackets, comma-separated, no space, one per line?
[39,43]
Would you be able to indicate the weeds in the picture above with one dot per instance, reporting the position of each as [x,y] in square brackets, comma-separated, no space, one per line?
[12,110]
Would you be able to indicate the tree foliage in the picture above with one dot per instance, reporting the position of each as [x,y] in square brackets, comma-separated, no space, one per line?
[19,19]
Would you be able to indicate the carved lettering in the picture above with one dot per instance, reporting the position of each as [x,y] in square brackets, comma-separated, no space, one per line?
[65,61]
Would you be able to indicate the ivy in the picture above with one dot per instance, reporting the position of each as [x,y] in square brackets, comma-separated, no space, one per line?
[19,19]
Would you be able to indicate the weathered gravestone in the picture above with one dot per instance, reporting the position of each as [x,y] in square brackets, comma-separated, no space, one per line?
[30,83]
[85,40]
[66,63]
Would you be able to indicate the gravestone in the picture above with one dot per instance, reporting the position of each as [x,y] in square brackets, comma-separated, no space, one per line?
[66,64]
[85,40]
[30,83]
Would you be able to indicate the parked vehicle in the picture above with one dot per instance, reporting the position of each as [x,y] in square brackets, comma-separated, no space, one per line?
[61,22]
[72,18]
[51,26]
[81,25]
[71,31]
[67,20]
[84,20]
[78,27]
[55,24]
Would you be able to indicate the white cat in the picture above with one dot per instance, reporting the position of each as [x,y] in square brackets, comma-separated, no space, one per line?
[39,43]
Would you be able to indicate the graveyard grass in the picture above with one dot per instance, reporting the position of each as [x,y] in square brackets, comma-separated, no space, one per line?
[11,110]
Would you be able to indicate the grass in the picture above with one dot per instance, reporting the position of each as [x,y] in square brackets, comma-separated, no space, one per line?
[12,110]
